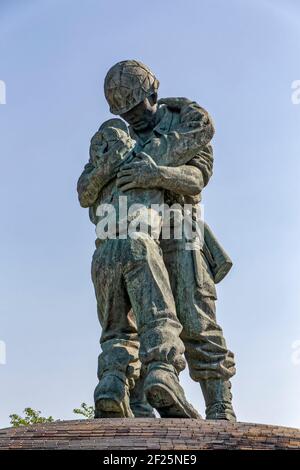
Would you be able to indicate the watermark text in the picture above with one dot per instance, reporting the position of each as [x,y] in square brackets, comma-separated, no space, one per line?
[2,92]
[296,92]
[2,353]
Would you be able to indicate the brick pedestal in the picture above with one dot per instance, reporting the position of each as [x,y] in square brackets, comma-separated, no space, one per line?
[155,434]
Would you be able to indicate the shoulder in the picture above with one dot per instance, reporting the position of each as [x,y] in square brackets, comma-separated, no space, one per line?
[190,116]
[185,107]
[175,103]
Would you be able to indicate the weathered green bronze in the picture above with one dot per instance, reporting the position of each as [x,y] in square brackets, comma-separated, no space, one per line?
[155,297]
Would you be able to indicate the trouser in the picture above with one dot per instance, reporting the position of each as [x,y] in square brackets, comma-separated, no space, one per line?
[195,295]
[131,273]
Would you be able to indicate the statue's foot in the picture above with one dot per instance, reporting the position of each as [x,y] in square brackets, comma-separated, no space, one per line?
[108,408]
[221,410]
[142,410]
[164,393]
[138,401]
[218,399]
[112,397]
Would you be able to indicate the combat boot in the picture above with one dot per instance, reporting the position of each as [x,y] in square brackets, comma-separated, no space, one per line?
[218,399]
[112,396]
[164,393]
[142,409]
[138,401]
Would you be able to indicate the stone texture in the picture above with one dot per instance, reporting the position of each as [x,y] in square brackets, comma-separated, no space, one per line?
[151,434]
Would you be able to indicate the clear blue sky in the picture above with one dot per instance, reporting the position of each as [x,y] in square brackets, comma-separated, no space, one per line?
[237,59]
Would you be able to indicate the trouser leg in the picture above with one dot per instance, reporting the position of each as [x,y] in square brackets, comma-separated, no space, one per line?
[209,360]
[148,287]
[205,346]
[161,349]
[118,363]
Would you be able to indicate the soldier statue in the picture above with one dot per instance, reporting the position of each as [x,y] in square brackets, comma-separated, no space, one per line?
[155,297]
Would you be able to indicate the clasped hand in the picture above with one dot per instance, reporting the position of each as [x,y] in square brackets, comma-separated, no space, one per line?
[141,172]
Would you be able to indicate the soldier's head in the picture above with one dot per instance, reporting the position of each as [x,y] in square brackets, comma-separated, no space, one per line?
[112,136]
[131,92]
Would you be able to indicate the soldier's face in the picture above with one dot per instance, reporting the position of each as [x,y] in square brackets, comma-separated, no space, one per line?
[142,116]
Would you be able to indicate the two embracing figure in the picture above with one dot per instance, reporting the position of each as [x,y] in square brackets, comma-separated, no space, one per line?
[155,288]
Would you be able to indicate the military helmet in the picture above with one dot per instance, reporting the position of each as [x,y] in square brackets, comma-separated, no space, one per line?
[128,83]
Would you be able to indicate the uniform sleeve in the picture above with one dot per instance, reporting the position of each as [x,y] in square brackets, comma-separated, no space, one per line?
[204,162]
[192,134]
[93,178]
[87,186]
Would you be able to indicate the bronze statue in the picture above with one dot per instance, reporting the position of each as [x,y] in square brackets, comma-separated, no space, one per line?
[155,297]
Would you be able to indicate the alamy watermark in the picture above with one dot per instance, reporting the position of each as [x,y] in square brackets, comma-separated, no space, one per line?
[2,353]
[159,221]
[295,97]
[2,92]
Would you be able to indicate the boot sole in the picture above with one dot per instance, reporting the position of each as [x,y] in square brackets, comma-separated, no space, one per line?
[222,417]
[108,408]
[167,404]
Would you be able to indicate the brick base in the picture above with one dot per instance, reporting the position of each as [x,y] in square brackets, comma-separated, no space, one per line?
[154,434]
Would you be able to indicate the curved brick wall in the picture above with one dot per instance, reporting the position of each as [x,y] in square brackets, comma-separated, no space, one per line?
[164,434]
